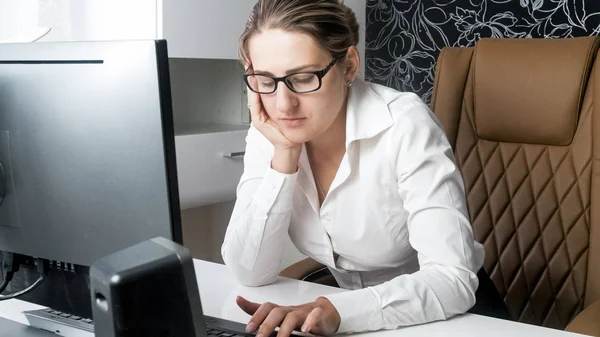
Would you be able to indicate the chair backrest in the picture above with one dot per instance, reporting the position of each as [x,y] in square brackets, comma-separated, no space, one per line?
[521,118]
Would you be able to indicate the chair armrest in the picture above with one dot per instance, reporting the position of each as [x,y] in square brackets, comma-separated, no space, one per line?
[587,322]
[311,271]
[302,269]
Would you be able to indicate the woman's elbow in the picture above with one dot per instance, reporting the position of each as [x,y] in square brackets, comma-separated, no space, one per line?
[466,284]
[250,278]
[256,282]
[460,285]
[253,279]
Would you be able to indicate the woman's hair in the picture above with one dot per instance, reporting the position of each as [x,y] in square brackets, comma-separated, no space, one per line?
[329,22]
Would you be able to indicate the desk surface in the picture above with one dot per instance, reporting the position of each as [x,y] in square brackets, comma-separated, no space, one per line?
[219,288]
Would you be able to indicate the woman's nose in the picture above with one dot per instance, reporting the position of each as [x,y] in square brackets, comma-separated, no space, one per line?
[286,99]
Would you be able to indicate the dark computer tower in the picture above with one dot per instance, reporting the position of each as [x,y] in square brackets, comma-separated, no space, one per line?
[148,289]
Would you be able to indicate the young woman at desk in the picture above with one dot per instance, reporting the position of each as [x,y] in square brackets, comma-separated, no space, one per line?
[360,176]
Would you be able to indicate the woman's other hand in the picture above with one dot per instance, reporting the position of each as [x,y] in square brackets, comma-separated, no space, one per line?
[319,317]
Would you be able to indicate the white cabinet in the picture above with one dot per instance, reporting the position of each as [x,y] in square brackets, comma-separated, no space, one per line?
[209,167]
[211,120]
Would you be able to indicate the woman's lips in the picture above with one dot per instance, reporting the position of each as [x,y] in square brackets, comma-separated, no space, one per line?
[292,122]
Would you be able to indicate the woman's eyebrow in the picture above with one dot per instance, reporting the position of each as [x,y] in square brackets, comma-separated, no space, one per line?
[290,71]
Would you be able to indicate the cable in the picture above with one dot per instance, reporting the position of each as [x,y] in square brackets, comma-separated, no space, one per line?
[48,29]
[24,291]
[6,281]
[10,263]
[41,32]
[42,268]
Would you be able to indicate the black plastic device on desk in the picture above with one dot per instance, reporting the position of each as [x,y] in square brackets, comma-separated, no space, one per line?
[150,289]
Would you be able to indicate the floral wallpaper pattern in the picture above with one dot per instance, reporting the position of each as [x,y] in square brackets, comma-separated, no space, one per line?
[404,37]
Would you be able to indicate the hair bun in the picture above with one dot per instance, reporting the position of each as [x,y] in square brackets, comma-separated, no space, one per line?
[351,22]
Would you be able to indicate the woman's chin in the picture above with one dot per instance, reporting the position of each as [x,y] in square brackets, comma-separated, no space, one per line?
[296,136]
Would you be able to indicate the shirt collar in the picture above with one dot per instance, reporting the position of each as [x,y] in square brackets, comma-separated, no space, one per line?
[367,113]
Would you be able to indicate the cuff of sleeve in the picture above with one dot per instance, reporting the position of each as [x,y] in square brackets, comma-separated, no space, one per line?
[276,192]
[359,310]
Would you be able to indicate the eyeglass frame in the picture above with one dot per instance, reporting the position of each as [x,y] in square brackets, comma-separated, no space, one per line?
[319,73]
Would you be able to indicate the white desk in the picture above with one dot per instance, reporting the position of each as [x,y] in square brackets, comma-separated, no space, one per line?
[219,288]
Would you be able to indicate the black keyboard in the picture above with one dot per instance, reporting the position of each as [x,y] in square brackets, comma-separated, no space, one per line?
[71,325]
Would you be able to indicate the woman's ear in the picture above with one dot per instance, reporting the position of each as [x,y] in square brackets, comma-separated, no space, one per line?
[352,64]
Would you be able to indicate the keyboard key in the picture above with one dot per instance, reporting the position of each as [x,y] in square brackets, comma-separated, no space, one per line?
[86,320]
[65,315]
[217,332]
[226,334]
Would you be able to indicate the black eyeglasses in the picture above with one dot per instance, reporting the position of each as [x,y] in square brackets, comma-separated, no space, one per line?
[301,83]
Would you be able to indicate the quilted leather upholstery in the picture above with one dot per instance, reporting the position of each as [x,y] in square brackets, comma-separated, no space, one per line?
[530,205]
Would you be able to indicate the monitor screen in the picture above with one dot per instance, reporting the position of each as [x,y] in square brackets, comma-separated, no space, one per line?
[87,157]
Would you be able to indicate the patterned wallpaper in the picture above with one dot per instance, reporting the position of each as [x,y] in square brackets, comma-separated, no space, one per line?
[404,37]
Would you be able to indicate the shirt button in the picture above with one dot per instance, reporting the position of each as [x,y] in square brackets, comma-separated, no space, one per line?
[273,186]
[327,219]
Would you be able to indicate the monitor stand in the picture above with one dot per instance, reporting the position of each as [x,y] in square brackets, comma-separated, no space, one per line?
[10,328]
[60,323]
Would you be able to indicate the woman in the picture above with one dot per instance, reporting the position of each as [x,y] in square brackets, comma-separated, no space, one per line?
[361,177]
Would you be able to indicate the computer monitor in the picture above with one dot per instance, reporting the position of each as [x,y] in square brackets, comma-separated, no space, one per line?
[87,156]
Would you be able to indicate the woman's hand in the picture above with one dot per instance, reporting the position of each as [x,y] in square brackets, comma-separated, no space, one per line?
[266,125]
[319,317]
[287,153]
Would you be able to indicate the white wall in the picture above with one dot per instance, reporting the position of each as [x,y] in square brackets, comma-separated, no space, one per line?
[75,20]
[360,11]
[19,20]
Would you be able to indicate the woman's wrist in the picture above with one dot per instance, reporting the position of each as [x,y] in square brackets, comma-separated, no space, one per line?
[285,160]
[331,313]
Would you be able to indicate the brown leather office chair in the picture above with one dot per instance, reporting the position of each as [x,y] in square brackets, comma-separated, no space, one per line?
[310,270]
[523,117]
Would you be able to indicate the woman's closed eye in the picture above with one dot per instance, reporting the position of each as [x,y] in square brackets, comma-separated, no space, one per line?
[267,84]
[303,79]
